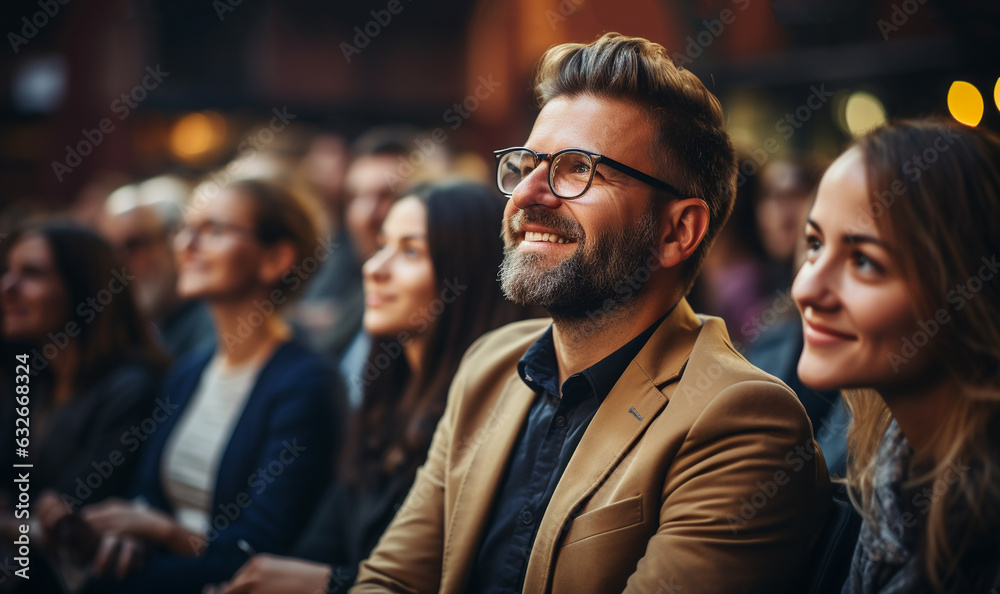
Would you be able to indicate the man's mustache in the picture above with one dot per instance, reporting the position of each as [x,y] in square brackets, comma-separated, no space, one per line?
[566,227]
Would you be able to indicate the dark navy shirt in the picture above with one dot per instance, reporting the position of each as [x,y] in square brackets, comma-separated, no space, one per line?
[547,440]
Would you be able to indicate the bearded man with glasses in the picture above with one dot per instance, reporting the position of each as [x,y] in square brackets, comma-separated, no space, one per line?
[623,445]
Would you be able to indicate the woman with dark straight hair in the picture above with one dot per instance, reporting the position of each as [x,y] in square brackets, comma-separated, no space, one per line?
[430,291]
[900,299]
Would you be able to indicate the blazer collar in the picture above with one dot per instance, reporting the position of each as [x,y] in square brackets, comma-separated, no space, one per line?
[636,399]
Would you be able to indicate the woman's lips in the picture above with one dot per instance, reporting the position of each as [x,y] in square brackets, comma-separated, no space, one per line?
[818,334]
[377,300]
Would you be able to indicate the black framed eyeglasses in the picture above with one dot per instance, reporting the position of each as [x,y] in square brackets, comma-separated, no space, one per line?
[571,170]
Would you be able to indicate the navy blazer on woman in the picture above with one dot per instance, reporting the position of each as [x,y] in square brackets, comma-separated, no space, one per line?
[271,474]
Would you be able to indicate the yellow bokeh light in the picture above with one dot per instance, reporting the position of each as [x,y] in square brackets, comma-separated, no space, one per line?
[965,103]
[197,135]
[862,112]
[996,93]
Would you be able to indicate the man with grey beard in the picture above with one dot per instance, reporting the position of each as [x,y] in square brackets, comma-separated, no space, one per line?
[623,445]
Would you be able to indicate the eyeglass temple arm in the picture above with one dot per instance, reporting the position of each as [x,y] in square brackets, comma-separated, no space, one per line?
[661,185]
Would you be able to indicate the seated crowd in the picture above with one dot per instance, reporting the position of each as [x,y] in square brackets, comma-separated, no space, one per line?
[331,374]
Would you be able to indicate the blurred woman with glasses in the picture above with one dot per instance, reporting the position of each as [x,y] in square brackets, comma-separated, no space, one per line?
[900,299]
[248,431]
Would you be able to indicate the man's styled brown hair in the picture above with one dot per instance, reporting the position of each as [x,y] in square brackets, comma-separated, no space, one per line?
[692,149]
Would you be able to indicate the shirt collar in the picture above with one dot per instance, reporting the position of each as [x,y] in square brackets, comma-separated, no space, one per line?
[539,370]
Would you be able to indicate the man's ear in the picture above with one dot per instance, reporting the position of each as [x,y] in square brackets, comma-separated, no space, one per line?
[278,259]
[683,224]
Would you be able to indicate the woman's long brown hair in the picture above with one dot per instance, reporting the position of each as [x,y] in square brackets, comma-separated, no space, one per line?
[935,195]
[391,433]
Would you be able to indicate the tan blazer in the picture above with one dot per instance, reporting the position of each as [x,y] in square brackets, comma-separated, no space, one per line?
[699,473]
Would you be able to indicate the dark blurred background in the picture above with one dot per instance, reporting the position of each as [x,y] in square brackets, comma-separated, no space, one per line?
[178,85]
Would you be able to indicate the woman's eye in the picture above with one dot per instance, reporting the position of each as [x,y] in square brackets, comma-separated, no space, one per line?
[813,244]
[411,252]
[864,263]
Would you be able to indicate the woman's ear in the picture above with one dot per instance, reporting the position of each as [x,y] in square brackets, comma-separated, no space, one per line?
[278,259]
[683,225]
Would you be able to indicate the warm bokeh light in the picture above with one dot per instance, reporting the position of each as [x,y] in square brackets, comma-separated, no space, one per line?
[965,103]
[996,93]
[862,112]
[196,136]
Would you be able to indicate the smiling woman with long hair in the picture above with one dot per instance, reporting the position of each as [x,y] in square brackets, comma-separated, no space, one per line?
[900,297]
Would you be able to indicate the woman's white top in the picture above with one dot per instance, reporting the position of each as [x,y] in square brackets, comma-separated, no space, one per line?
[191,458]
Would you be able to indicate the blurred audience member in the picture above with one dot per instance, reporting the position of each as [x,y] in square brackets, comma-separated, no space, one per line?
[733,282]
[331,310]
[901,301]
[140,220]
[331,306]
[772,338]
[786,191]
[248,444]
[90,376]
[431,290]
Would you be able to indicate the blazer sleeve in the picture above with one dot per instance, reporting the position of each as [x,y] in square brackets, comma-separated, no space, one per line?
[733,517]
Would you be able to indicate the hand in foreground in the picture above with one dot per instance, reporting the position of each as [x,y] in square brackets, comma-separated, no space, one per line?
[50,510]
[120,554]
[126,518]
[266,574]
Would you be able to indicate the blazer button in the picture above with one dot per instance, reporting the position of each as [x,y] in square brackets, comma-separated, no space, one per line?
[560,421]
[527,517]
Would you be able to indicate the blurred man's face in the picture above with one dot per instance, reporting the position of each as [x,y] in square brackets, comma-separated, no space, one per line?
[145,248]
[781,210]
[325,168]
[369,195]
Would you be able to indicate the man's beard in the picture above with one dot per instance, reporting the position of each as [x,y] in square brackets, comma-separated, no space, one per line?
[603,276]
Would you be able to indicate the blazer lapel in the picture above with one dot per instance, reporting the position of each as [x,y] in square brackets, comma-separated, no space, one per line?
[630,407]
[493,444]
